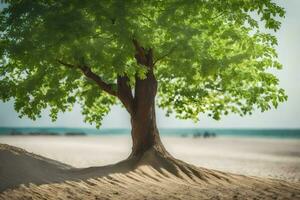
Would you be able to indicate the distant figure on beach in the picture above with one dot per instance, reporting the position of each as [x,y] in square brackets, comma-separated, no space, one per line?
[75,134]
[206,134]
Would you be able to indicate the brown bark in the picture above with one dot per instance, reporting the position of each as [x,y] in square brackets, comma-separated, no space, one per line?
[141,107]
[124,93]
[145,134]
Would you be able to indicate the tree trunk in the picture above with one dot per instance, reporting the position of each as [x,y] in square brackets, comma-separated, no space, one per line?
[145,134]
[141,107]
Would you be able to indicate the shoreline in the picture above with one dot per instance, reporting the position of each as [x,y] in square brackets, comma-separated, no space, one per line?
[246,137]
[177,132]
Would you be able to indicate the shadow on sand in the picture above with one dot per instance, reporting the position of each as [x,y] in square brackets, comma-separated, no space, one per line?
[19,167]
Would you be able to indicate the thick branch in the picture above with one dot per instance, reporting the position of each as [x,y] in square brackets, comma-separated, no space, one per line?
[143,56]
[138,48]
[124,93]
[90,74]
[104,86]
[140,55]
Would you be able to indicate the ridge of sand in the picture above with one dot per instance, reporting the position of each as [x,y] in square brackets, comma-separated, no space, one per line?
[25,175]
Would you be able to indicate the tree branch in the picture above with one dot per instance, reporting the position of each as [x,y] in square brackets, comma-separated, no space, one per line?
[66,64]
[90,74]
[125,93]
[103,85]
[140,55]
[143,56]
[145,16]
[219,15]
[165,55]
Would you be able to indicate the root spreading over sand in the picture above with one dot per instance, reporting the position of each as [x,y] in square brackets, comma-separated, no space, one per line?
[153,176]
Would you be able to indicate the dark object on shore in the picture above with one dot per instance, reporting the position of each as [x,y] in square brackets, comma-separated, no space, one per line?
[15,132]
[184,135]
[75,134]
[206,134]
[42,133]
[197,135]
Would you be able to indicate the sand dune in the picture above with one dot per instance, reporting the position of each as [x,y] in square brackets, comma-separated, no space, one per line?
[268,158]
[26,175]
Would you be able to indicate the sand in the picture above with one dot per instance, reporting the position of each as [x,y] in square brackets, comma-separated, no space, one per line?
[43,178]
[270,158]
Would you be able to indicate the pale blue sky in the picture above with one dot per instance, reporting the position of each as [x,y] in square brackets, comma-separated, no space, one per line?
[286,116]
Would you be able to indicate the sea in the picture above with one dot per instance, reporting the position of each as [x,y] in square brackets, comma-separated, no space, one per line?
[176,132]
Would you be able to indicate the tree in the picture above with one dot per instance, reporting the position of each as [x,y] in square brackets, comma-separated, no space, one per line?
[197,56]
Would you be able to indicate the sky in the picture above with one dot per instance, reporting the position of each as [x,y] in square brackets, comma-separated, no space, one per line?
[287,115]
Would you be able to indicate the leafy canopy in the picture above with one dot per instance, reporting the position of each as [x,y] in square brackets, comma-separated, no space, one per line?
[210,56]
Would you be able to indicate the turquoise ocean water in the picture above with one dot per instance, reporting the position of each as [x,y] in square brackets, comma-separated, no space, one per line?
[187,132]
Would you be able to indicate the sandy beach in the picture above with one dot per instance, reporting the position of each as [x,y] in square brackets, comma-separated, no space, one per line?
[268,168]
[263,157]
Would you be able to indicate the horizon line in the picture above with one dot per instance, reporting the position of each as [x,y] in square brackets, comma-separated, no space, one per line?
[67,127]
